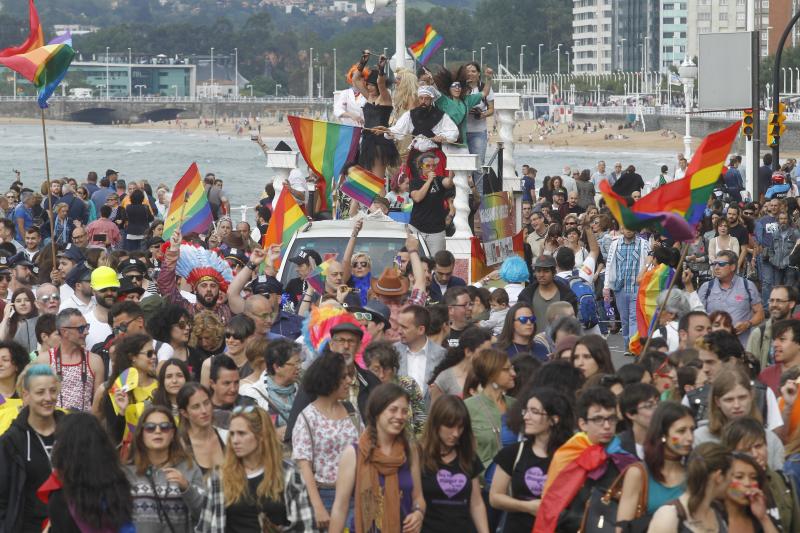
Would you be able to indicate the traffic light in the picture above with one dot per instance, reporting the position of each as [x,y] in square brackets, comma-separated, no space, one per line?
[775,126]
[747,123]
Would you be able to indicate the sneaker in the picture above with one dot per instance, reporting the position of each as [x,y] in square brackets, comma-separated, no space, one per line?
[628,354]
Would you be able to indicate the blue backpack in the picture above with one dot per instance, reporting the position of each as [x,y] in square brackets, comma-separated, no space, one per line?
[587,306]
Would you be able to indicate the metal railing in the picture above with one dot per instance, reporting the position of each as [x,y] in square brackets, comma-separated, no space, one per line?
[182,99]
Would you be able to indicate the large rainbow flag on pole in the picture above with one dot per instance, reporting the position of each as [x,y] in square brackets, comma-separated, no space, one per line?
[45,66]
[326,148]
[653,283]
[686,197]
[287,218]
[188,207]
[423,49]
[35,35]
[362,185]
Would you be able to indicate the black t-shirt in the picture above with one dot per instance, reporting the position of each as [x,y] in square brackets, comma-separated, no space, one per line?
[295,290]
[428,215]
[453,340]
[740,232]
[447,493]
[242,517]
[38,469]
[527,481]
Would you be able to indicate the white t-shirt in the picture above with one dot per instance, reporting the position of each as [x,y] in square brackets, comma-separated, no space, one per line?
[475,125]
[164,352]
[98,331]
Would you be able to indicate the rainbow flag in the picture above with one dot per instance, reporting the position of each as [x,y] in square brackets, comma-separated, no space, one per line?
[287,218]
[45,66]
[362,185]
[478,268]
[189,206]
[652,284]
[662,222]
[423,49]
[317,278]
[35,35]
[326,148]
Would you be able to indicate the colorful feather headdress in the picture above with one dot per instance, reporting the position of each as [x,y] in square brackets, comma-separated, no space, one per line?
[317,328]
[196,264]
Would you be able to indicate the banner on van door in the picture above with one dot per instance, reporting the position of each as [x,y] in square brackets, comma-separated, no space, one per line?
[496,215]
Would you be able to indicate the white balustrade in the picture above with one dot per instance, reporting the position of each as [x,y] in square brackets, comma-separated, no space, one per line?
[506,106]
[462,165]
[282,163]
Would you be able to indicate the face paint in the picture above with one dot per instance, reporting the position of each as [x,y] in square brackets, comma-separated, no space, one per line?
[736,490]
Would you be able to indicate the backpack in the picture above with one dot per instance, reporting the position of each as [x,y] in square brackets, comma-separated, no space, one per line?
[587,305]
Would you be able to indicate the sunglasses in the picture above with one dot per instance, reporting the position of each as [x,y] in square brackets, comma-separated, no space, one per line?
[122,328]
[50,297]
[5,277]
[363,316]
[526,319]
[80,329]
[362,264]
[230,334]
[721,263]
[239,409]
[149,353]
[151,427]
[135,277]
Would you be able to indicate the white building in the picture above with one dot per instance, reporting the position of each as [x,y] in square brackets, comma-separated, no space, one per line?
[673,31]
[721,16]
[592,36]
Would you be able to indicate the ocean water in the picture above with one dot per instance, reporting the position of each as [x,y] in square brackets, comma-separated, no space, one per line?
[162,156]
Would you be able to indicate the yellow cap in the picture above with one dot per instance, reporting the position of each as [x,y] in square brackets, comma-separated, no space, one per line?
[104,277]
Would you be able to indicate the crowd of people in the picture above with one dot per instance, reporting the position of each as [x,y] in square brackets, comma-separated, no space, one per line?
[176,386]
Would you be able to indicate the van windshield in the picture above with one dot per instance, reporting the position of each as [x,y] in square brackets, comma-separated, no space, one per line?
[382,251]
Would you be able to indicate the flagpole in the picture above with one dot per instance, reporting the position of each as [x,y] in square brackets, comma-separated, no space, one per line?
[183,211]
[660,309]
[49,193]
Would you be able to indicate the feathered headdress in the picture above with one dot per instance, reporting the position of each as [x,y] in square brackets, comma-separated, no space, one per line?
[197,264]
[317,329]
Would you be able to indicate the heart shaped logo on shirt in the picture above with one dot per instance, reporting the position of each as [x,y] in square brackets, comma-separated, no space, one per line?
[534,480]
[451,484]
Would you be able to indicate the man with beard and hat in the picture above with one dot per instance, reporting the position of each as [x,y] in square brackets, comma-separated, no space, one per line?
[206,282]
[105,286]
[23,272]
[82,296]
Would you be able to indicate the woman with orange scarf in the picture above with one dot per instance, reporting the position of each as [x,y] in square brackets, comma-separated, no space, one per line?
[384,470]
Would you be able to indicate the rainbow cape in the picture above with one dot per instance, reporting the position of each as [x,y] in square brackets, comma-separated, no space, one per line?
[316,279]
[326,148]
[45,66]
[362,185]
[287,218]
[190,203]
[653,282]
[674,209]
[423,49]
[35,35]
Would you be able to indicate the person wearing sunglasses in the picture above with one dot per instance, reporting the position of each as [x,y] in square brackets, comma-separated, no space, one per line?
[79,370]
[235,335]
[518,330]
[171,326]
[48,299]
[357,266]
[164,479]
[131,351]
[105,286]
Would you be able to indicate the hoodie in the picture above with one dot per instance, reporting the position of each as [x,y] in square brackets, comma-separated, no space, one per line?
[24,466]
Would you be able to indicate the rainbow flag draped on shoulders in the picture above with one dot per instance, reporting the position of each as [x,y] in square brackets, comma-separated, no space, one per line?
[674,209]
[326,148]
[653,283]
[424,49]
[35,35]
[362,185]
[287,218]
[45,66]
[189,206]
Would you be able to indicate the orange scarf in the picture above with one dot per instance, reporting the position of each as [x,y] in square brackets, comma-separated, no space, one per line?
[375,506]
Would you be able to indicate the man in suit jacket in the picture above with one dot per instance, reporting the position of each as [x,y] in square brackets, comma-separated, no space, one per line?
[418,355]
[443,277]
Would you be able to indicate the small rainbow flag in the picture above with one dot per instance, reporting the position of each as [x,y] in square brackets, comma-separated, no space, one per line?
[188,206]
[35,35]
[317,278]
[287,218]
[652,284]
[423,49]
[326,148]
[127,380]
[45,66]
[362,185]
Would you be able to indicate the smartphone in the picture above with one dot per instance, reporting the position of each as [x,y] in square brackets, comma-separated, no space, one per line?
[101,237]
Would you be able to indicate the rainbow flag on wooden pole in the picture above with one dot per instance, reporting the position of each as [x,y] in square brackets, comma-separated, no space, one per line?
[362,185]
[188,209]
[45,66]
[326,148]
[35,35]
[424,49]
[287,218]
[653,283]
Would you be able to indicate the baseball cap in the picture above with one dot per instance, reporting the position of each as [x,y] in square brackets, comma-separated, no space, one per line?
[132,264]
[545,261]
[303,255]
[104,277]
[236,255]
[71,252]
[4,260]
[80,273]
[20,259]
[110,171]
[379,310]
[264,284]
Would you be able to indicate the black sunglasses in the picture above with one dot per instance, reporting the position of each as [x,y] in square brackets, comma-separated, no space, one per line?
[230,334]
[150,427]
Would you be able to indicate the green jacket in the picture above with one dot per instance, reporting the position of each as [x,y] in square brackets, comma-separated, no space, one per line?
[487,425]
[760,341]
[457,110]
[785,497]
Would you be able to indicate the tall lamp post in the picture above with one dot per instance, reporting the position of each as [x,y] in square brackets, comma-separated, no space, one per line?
[236,69]
[507,47]
[140,87]
[521,58]
[558,59]
[473,56]
[482,49]
[213,92]
[568,70]
[336,72]
[176,91]
[130,73]
[108,86]
[277,86]
[622,53]
[688,73]
[249,86]
[540,58]
[445,56]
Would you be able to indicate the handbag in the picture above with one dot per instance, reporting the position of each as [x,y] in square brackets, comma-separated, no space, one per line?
[600,515]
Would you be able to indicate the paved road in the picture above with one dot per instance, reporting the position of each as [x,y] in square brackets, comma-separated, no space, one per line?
[615,343]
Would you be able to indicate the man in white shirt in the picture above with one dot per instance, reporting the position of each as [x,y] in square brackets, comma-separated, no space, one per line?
[568,180]
[600,174]
[105,286]
[680,172]
[348,107]
[418,355]
[82,295]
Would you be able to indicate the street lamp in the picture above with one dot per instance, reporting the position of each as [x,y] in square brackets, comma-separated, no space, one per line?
[482,49]
[140,87]
[507,47]
[445,56]
[521,57]
[558,62]
[568,71]
[473,56]
[336,73]
[311,73]
[212,72]
[688,73]
[250,86]
[277,86]
[130,73]
[108,90]
[176,91]
[540,58]
[236,69]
